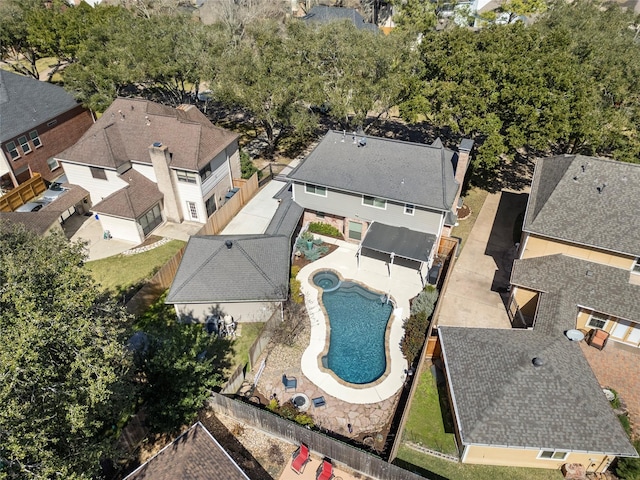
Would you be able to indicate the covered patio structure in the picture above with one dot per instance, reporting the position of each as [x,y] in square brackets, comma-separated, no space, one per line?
[401,245]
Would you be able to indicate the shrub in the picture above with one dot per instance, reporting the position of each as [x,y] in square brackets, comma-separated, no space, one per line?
[247,166]
[295,270]
[629,468]
[324,229]
[310,246]
[425,301]
[415,331]
[294,288]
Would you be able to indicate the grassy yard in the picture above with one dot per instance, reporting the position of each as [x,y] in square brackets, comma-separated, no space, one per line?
[248,334]
[443,469]
[474,199]
[122,272]
[427,425]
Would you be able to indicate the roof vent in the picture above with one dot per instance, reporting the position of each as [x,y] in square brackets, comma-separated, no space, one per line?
[589,273]
[229,244]
[537,362]
[146,118]
[600,188]
[157,144]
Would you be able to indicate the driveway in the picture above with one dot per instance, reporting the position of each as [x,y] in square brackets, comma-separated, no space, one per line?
[473,297]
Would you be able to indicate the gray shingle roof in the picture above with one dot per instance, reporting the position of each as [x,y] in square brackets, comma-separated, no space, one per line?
[194,455]
[129,127]
[255,268]
[285,219]
[132,201]
[568,202]
[26,103]
[326,14]
[395,170]
[603,288]
[502,399]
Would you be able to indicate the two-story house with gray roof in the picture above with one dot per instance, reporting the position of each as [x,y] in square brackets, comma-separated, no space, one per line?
[394,197]
[144,163]
[38,120]
[527,396]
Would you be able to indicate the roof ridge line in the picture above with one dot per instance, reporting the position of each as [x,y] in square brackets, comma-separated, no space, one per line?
[202,265]
[258,268]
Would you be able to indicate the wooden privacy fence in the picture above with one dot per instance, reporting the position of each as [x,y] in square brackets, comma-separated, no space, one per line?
[324,445]
[162,280]
[22,193]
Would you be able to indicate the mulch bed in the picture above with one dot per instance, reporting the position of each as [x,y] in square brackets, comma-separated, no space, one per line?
[302,261]
[464,212]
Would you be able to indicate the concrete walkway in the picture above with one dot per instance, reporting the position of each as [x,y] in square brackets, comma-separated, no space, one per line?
[256,215]
[484,267]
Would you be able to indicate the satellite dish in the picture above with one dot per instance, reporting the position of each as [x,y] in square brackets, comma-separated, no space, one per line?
[574,335]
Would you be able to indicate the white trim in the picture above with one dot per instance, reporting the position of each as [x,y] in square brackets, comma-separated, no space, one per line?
[635,268]
[600,317]
[373,205]
[306,189]
[553,452]
[413,209]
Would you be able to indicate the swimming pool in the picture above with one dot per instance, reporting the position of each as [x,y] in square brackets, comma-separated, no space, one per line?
[358,319]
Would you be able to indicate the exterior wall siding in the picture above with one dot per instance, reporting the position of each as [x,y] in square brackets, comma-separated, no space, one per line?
[122,229]
[516,457]
[246,312]
[234,159]
[146,170]
[350,205]
[68,129]
[219,180]
[98,189]
[527,301]
[539,247]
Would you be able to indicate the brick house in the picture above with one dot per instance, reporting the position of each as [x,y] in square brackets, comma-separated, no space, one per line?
[38,120]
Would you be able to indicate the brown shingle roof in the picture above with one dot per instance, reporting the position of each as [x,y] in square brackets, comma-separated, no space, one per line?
[129,126]
[133,200]
[194,455]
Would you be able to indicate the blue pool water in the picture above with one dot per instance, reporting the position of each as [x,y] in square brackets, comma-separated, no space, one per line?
[358,319]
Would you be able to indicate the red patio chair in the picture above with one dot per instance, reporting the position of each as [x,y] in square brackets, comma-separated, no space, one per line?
[300,459]
[325,471]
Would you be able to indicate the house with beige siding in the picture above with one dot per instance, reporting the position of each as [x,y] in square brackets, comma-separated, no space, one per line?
[526,396]
[392,197]
[144,163]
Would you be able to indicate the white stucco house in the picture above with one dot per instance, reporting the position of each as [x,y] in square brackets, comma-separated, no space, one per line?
[144,164]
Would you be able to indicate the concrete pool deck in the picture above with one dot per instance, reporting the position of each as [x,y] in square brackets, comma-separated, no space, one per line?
[403,284]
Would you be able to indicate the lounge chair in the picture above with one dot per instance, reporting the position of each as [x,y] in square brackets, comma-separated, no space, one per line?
[597,338]
[319,402]
[325,471]
[300,459]
[289,383]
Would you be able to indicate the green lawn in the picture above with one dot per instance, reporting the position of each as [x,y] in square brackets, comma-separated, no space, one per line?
[474,199]
[248,334]
[426,464]
[426,424]
[120,273]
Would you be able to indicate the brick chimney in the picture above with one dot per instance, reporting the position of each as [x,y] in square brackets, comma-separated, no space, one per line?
[160,159]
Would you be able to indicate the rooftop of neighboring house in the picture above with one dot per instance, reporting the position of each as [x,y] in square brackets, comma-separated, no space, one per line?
[587,201]
[129,127]
[132,201]
[571,282]
[232,268]
[405,172]
[326,14]
[195,454]
[503,398]
[26,103]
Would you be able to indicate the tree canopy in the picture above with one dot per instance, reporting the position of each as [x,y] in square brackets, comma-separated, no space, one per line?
[66,373]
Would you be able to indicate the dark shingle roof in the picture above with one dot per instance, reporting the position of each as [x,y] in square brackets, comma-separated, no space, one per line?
[129,127]
[132,201]
[255,268]
[194,455]
[502,399]
[285,219]
[326,14]
[395,170]
[603,288]
[568,202]
[26,103]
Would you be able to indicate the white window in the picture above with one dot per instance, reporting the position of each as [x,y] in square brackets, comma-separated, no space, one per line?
[33,135]
[374,202]
[13,150]
[193,210]
[187,177]
[24,144]
[597,320]
[52,163]
[636,266]
[315,190]
[553,455]
[409,209]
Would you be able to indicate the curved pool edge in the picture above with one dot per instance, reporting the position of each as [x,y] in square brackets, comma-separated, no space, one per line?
[381,390]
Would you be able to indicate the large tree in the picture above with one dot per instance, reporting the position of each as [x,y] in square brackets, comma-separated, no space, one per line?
[65,371]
